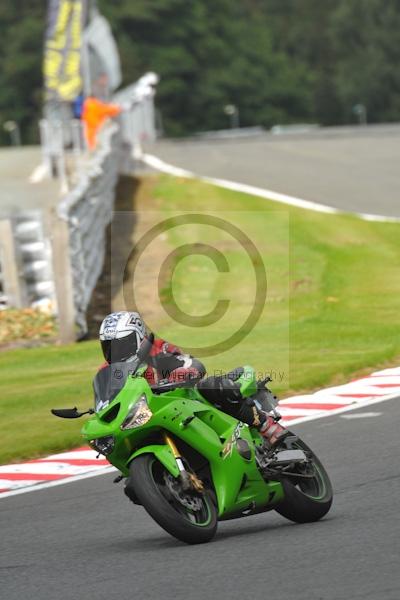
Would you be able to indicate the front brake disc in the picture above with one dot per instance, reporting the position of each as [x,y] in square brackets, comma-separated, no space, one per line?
[187,500]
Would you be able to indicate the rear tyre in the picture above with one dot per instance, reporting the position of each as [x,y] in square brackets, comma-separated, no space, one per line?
[306,500]
[190,517]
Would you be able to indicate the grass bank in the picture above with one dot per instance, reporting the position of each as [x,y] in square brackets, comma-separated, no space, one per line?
[34,380]
[332,307]
[333,298]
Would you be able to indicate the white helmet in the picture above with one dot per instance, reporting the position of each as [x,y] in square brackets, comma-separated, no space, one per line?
[121,335]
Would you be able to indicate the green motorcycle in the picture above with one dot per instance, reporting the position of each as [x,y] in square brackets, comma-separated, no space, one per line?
[189,464]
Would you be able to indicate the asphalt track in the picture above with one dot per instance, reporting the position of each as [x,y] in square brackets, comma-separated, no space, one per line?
[350,168]
[18,193]
[85,539]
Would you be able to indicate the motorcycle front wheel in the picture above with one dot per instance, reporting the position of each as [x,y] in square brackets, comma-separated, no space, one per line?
[188,516]
[306,499]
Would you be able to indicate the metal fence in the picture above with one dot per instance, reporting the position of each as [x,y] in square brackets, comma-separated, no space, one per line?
[63,160]
[65,154]
[138,123]
[54,259]
[87,209]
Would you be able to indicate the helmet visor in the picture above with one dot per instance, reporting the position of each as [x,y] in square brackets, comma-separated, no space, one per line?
[121,349]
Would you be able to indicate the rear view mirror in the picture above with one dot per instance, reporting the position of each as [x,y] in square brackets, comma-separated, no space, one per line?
[70,413]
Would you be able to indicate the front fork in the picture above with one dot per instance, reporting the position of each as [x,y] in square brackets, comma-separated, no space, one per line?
[189,480]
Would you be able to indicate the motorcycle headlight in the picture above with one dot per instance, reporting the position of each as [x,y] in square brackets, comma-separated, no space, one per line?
[103,445]
[138,415]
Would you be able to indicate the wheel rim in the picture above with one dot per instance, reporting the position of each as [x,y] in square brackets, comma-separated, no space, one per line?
[313,487]
[200,517]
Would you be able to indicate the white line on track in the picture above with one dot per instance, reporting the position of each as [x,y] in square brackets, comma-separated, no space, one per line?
[47,468]
[160,165]
[110,469]
[38,174]
[327,396]
[338,411]
[41,486]
[364,415]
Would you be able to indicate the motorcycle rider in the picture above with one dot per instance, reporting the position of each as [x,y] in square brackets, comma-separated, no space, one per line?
[121,336]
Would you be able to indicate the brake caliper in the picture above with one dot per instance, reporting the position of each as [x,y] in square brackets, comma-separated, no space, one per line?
[187,500]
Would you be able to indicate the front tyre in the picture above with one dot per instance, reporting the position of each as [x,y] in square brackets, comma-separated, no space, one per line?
[190,517]
[306,499]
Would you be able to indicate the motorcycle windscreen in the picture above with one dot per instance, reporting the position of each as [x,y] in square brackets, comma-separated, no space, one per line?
[110,380]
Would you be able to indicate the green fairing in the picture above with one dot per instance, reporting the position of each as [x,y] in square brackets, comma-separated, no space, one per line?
[162,453]
[237,481]
[248,384]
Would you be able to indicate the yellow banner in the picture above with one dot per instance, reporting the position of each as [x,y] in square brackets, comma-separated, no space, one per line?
[62,57]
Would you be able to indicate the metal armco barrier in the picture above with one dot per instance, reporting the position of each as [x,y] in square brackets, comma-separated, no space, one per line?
[79,227]
[35,259]
[52,257]
[11,286]
[78,251]
[26,275]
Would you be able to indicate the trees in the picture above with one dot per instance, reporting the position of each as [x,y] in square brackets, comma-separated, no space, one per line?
[301,31]
[351,48]
[21,44]
[366,41]
[209,53]
[278,60]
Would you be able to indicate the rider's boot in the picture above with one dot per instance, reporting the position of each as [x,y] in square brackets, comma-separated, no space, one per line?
[273,431]
[269,427]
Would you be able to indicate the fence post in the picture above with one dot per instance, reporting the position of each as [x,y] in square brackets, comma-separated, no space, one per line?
[63,279]
[10,266]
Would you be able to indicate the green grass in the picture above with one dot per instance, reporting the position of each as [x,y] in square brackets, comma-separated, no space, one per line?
[32,381]
[333,305]
[332,309]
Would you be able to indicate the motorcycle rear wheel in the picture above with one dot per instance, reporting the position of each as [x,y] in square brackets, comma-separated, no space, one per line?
[147,481]
[306,500]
